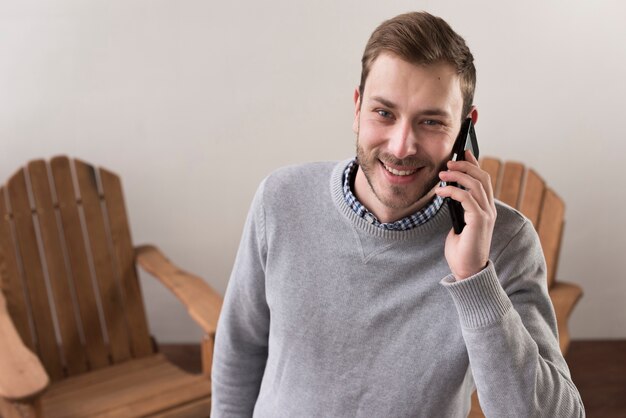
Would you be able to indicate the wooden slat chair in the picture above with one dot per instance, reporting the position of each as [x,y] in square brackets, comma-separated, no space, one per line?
[526,191]
[74,338]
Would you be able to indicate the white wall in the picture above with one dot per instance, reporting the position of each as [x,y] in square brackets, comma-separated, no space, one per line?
[194,102]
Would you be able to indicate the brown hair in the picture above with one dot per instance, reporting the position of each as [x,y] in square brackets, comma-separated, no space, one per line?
[421,38]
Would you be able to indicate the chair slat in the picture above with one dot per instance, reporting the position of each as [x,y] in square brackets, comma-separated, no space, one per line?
[47,346]
[193,409]
[141,343]
[511,183]
[75,359]
[105,394]
[97,353]
[77,383]
[10,281]
[492,166]
[135,388]
[112,303]
[532,197]
[550,230]
[171,399]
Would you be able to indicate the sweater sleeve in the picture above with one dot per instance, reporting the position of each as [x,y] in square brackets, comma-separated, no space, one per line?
[510,332]
[241,342]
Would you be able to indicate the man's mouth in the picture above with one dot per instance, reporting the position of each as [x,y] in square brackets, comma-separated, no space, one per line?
[399,172]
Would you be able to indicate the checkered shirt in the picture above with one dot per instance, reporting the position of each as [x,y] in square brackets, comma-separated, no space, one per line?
[404,224]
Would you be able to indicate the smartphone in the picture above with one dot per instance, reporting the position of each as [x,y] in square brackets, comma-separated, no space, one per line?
[466,140]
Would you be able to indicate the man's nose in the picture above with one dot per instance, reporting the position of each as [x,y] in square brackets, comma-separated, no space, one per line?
[403,142]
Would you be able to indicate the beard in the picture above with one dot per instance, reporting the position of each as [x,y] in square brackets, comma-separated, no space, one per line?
[395,196]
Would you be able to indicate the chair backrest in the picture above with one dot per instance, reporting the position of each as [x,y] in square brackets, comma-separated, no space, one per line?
[67,267]
[526,191]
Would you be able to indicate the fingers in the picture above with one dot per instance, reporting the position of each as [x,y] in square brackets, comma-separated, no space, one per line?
[465,197]
[471,205]
[479,211]
[478,194]
[473,188]
[472,170]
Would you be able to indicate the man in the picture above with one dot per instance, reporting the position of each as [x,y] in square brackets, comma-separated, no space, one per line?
[351,296]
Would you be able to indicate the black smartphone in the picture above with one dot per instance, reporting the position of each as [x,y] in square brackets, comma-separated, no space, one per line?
[466,140]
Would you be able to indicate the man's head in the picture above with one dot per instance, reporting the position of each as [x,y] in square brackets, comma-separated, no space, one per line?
[421,38]
[416,88]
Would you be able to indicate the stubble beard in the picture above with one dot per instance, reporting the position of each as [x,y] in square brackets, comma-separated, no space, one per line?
[399,197]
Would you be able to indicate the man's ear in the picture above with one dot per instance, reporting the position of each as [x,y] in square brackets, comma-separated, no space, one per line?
[357,110]
[473,114]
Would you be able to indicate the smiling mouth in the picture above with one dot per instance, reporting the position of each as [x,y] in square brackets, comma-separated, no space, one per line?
[399,172]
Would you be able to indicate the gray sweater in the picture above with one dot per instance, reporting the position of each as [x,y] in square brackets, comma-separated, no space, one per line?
[326,315]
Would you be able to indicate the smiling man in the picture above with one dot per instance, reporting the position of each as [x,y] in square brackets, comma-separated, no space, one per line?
[351,295]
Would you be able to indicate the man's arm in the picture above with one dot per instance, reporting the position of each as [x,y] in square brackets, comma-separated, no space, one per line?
[242,332]
[507,318]
[510,335]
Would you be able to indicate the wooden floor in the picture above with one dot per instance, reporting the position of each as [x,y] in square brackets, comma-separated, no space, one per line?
[598,369]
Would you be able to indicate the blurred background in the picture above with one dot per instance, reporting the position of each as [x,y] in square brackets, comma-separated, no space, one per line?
[193,102]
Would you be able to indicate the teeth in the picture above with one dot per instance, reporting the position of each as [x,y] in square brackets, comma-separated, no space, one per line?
[398,172]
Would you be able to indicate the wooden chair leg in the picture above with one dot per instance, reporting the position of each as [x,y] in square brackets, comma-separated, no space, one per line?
[208,342]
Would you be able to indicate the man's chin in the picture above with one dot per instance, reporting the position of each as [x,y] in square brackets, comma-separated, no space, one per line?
[401,200]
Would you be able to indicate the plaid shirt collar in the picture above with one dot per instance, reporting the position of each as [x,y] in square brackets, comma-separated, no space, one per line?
[404,224]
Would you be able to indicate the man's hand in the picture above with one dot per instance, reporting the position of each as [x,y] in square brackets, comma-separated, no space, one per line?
[468,252]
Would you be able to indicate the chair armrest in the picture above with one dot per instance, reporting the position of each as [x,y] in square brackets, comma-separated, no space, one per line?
[22,375]
[564,297]
[202,302]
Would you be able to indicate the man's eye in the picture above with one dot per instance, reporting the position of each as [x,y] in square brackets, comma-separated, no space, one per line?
[383,113]
[431,122]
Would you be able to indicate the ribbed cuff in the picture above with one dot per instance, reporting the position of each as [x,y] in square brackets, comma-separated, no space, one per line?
[480,299]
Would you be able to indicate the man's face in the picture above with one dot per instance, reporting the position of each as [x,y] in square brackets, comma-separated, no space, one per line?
[406,123]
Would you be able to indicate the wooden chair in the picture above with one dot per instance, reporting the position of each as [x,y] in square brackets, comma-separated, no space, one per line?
[526,191]
[74,338]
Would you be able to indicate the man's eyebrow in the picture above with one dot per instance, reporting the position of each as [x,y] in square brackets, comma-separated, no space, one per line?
[384,102]
[435,112]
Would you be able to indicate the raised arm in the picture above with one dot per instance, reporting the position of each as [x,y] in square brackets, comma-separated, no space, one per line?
[510,332]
